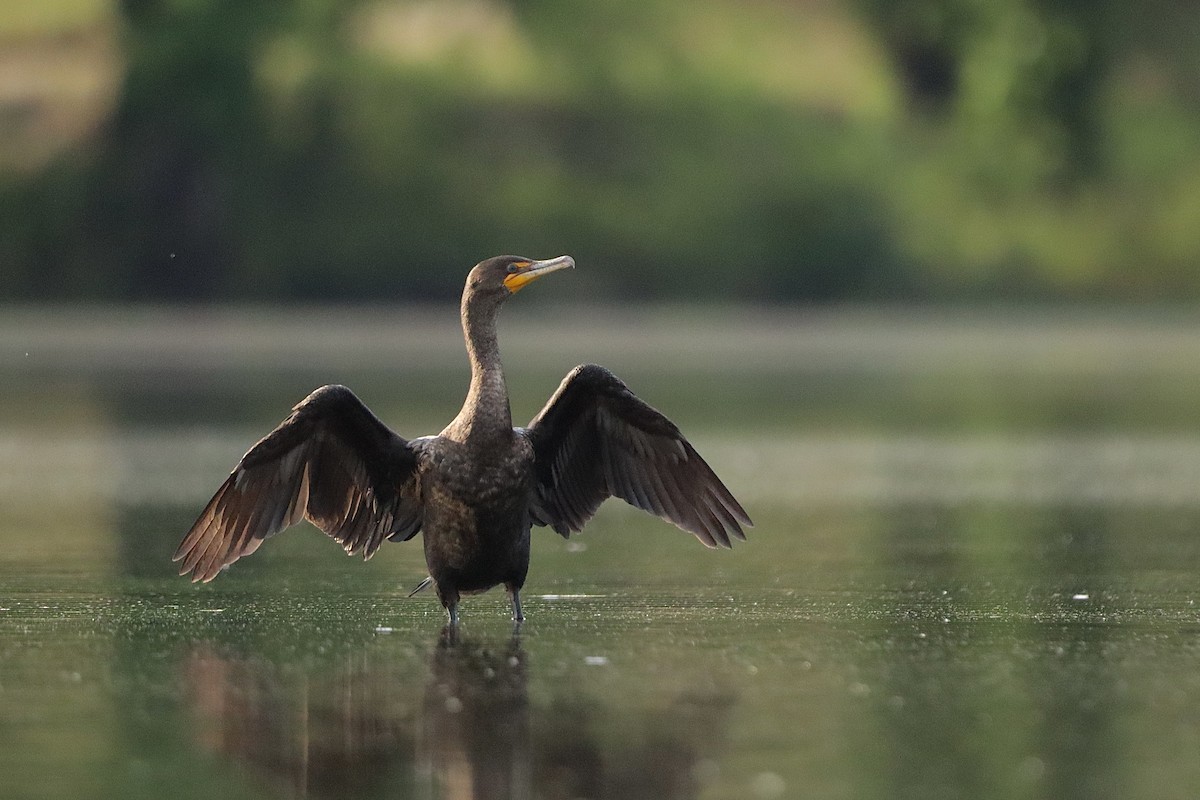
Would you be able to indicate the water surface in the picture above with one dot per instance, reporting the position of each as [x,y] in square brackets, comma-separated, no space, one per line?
[973,573]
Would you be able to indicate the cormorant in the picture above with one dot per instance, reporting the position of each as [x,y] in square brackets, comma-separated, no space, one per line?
[477,487]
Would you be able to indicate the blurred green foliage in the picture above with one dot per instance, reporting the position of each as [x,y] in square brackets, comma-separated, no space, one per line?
[774,151]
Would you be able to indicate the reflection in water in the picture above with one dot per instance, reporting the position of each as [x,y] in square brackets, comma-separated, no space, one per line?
[345,735]
[475,737]
[370,728]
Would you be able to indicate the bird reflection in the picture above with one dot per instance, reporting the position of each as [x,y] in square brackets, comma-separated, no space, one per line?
[371,727]
[476,723]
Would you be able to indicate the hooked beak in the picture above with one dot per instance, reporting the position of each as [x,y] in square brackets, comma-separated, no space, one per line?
[529,271]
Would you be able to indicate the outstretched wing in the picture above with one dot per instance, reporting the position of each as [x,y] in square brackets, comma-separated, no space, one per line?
[596,439]
[332,462]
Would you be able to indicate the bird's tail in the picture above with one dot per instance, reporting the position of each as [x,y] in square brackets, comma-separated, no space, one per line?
[422,585]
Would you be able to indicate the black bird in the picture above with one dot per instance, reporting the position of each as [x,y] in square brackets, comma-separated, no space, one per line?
[477,487]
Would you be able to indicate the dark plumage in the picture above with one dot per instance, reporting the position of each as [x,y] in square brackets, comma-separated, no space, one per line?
[477,487]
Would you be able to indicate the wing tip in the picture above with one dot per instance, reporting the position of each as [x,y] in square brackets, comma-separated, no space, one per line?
[195,574]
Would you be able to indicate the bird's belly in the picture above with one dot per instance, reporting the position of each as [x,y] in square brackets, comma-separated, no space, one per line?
[476,545]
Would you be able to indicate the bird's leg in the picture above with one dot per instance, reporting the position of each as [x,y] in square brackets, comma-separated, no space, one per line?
[514,594]
[449,598]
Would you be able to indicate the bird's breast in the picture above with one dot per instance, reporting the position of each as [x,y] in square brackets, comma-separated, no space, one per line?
[461,483]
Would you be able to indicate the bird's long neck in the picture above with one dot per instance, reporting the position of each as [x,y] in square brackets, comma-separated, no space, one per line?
[485,412]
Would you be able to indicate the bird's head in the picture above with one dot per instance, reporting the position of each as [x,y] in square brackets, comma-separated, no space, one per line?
[506,275]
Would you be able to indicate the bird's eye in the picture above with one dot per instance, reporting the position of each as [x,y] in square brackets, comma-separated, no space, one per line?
[517,266]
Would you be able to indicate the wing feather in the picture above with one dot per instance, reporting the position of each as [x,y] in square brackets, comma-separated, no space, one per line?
[596,439]
[331,461]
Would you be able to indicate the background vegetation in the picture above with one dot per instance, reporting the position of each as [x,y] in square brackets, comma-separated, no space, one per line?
[812,150]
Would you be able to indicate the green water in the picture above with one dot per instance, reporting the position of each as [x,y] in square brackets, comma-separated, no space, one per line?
[974,572]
